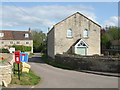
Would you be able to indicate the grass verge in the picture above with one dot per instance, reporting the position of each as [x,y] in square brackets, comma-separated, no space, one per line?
[31,54]
[25,78]
[55,64]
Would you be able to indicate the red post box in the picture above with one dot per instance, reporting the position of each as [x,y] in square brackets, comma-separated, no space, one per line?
[17,56]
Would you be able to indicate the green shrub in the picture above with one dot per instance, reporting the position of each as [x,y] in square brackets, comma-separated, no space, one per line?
[31,54]
[95,54]
[4,50]
[22,48]
[117,54]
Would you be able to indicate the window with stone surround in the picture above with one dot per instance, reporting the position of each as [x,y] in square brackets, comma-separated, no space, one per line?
[27,42]
[69,33]
[2,42]
[85,33]
[17,42]
[11,42]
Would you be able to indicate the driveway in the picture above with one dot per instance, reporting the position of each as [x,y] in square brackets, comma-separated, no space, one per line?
[53,77]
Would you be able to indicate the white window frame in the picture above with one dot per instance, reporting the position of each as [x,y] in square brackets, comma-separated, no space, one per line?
[1,34]
[69,33]
[26,35]
[85,33]
[77,45]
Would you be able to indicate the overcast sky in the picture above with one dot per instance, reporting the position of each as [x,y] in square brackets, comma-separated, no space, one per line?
[39,15]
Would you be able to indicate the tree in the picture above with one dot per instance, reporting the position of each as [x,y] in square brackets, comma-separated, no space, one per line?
[38,40]
[112,33]
[106,41]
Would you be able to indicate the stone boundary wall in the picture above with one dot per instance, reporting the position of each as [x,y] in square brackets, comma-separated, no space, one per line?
[93,63]
[6,69]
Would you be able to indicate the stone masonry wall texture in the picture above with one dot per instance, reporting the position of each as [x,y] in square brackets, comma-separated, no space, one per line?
[6,69]
[77,23]
[92,63]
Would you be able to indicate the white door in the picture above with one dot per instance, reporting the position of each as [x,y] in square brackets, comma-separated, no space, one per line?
[81,50]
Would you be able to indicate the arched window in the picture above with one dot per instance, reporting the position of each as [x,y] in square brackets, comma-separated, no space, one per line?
[85,33]
[69,33]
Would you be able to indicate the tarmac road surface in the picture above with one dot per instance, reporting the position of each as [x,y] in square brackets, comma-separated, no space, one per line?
[53,77]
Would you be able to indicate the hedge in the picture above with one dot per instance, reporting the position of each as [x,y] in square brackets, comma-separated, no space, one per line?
[22,48]
[4,50]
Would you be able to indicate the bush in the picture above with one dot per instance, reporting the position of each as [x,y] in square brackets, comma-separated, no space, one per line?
[4,50]
[22,48]
[95,54]
[31,54]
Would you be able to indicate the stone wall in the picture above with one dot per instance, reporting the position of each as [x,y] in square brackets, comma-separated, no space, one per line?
[50,43]
[6,69]
[94,63]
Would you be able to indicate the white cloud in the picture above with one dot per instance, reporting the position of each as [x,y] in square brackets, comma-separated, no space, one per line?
[112,21]
[41,16]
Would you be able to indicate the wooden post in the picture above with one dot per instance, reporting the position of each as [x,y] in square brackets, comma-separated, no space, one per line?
[18,71]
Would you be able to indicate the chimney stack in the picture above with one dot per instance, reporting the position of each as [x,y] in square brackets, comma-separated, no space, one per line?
[29,30]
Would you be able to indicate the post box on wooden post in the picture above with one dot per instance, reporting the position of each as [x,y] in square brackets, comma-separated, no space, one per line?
[17,60]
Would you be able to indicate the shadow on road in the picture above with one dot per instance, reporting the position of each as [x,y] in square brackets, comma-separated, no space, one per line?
[101,73]
[36,60]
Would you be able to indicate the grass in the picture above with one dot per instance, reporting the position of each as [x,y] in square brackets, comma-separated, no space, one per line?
[117,55]
[25,78]
[55,64]
[31,54]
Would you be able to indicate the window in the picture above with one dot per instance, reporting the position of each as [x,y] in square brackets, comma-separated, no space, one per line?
[81,44]
[1,34]
[85,33]
[26,35]
[69,33]
[11,42]
[27,42]
[2,42]
[18,42]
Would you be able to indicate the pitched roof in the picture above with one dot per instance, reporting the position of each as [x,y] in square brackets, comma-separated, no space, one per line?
[81,15]
[15,35]
[78,41]
[115,42]
[73,15]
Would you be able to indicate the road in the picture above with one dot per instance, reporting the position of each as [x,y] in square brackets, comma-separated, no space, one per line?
[53,77]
